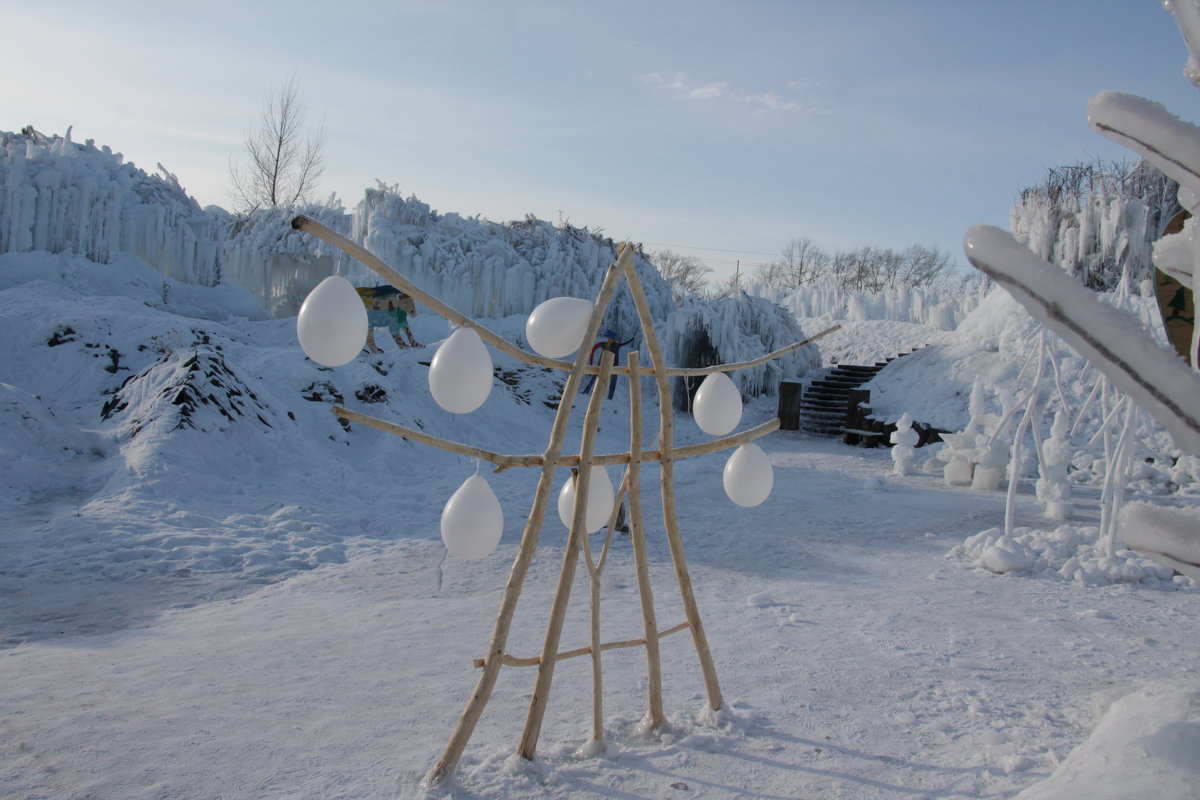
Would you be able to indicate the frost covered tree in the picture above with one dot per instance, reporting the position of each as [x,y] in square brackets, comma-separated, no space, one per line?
[686,275]
[1097,220]
[866,269]
[285,159]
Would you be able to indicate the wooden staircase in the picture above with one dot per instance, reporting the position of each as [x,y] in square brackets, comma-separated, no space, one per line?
[825,404]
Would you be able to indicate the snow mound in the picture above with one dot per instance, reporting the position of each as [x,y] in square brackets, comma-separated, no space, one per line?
[1145,745]
[1156,531]
[1069,552]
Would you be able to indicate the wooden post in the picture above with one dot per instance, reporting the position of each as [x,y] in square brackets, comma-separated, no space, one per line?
[789,405]
[667,465]
[566,576]
[637,536]
[597,676]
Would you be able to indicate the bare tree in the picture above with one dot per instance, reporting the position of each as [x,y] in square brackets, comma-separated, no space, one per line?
[800,262]
[285,160]
[686,275]
[925,265]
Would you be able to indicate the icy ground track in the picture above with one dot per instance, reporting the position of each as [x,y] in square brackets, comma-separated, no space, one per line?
[858,661]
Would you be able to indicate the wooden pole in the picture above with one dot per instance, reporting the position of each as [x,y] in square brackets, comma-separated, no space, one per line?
[566,576]
[597,676]
[494,658]
[666,413]
[565,655]
[595,572]
[504,462]
[637,536]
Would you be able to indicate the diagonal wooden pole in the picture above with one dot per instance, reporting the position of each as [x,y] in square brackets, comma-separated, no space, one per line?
[637,536]
[494,658]
[566,576]
[670,520]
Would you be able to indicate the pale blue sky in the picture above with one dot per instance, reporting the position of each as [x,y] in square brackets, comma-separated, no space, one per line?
[728,126]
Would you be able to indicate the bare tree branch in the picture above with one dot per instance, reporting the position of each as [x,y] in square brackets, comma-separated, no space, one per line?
[686,275]
[285,163]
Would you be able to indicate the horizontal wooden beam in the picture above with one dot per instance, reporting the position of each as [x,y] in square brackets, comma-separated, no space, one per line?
[533,661]
[504,462]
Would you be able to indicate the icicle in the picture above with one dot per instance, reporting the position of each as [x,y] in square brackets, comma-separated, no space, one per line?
[1115,479]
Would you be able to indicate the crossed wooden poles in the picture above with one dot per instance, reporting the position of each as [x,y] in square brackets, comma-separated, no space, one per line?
[548,461]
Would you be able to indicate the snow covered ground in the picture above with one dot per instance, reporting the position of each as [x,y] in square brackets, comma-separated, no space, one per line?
[210,588]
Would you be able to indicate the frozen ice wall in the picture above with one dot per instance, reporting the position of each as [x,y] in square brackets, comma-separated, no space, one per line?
[1096,235]
[65,197]
[941,306]
[278,264]
[733,329]
[487,269]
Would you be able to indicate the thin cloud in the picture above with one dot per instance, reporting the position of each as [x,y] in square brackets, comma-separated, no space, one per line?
[709,91]
[769,100]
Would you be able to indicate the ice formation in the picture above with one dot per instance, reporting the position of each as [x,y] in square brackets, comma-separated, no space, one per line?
[487,270]
[64,197]
[1098,235]
[733,329]
[941,306]
[1054,486]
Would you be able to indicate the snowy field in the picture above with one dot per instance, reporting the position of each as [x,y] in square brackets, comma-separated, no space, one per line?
[210,589]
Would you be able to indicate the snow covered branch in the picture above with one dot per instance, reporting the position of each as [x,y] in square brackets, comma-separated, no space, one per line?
[1115,343]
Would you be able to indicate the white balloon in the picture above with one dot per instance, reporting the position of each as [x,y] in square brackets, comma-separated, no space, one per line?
[556,327]
[332,323]
[460,374]
[472,520]
[600,500]
[748,475]
[717,407]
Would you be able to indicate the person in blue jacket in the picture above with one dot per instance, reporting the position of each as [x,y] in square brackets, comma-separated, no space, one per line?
[610,344]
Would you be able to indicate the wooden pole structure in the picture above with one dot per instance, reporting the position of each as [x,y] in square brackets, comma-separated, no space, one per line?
[529,539]
[637,537]
[552,458]
[562,593]
[666,435]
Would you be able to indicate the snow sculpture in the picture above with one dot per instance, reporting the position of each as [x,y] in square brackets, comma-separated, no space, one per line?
[578,502]
[959,455]
[1054,487]
[990,453]
[990,466]
[904,446]
[1156,378]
